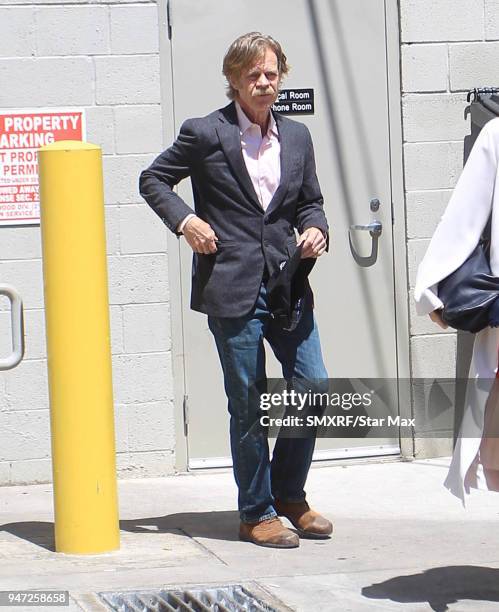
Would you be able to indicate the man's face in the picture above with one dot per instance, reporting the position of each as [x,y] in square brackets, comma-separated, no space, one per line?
[258,84]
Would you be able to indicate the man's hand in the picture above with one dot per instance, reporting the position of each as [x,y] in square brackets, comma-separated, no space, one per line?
[200,236]
[436,317]
[314,243]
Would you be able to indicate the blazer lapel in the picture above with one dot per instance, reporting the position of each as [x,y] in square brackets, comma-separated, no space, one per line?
[230,139]
[285,140]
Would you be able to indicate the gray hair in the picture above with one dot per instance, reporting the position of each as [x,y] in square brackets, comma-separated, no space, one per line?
[244,51]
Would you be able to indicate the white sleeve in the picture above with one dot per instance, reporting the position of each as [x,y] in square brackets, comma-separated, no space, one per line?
[429,301]
[463,221]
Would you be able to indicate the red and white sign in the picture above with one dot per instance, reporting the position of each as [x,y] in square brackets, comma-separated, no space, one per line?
[21,134]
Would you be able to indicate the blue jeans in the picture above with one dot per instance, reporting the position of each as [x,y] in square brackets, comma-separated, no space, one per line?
[242,355]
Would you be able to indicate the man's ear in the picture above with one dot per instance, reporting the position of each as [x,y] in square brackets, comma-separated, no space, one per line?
[234,83]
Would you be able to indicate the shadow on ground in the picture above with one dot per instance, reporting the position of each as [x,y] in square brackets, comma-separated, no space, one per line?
[222,525]
[40,533]
[440,586]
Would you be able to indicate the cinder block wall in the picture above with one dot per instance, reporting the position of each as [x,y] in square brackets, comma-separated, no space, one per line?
[448,47]
[103,57]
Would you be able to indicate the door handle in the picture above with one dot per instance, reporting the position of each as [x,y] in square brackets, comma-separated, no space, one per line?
[17,328]
[374,228]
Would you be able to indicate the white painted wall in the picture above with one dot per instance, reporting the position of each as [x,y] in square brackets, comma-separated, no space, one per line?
[103,57]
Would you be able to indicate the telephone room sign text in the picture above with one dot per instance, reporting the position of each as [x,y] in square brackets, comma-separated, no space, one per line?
[295,102]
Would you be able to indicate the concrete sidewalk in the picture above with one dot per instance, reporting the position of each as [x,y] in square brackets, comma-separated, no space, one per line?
[401,542]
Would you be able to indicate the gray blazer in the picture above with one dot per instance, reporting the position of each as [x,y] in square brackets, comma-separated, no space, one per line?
[208,149]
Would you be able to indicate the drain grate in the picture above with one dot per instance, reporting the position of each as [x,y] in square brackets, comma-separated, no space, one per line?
[233,598]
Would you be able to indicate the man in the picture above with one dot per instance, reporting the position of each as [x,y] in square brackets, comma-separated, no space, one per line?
[253,178]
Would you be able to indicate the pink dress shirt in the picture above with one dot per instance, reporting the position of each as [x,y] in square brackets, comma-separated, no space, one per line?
[262,157]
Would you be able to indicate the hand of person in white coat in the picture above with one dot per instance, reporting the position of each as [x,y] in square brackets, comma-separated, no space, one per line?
[436,317]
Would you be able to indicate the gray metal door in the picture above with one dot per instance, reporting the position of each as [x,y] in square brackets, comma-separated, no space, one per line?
[339,49]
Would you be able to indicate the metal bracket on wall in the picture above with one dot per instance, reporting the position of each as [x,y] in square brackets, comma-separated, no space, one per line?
[474,94]
[17,328]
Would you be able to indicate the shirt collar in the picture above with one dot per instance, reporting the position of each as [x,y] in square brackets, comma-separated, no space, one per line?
[245,123]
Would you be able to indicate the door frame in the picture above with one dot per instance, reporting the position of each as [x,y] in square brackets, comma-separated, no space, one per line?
[401,294]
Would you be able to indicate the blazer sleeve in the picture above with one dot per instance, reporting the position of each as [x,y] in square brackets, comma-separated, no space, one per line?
[463,221]
[157,181]
[310,207]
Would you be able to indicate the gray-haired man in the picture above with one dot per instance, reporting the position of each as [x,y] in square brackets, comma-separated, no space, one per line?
[254,181]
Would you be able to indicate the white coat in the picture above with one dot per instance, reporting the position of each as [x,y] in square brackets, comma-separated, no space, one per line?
[454,239]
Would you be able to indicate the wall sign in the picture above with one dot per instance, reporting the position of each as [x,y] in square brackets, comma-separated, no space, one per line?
[22,132]
[295,102]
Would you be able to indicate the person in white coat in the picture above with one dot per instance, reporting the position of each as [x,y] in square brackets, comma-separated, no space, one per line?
[473,200]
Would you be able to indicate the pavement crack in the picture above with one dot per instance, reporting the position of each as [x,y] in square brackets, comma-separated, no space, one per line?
[203,547]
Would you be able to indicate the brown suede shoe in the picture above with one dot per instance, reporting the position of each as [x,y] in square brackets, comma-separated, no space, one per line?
[307,522]
[270,533]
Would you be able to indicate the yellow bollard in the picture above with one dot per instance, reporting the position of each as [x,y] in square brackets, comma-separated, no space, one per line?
[78,348]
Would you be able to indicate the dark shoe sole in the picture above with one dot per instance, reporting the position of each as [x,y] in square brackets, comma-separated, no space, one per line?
[307,534]
[269,544]
[313,536]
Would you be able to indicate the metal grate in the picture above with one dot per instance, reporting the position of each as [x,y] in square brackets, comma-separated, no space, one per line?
[233,598]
